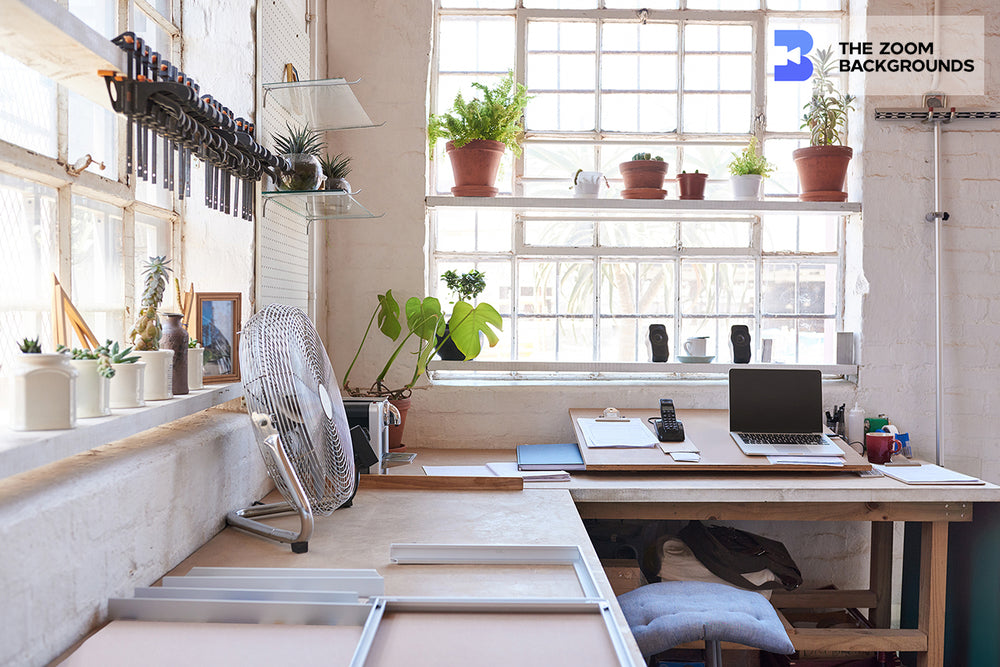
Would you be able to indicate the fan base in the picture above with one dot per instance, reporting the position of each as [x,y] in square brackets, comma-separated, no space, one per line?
[300,547]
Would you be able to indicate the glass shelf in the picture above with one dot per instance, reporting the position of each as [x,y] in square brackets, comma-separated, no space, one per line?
[320,204]
[327,104]
[701,206]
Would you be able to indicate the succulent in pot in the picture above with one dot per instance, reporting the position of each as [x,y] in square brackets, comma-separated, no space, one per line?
[644,175]
[127,386]
[301,147]
[691,186]
[30,346]
[147,331]
[747,171]
[43,387]
[93,388]
[336,170]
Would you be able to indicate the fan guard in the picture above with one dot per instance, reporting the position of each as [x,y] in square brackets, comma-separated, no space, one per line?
[299,421]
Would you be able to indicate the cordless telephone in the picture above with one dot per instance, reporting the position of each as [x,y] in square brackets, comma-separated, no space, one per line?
[668,429]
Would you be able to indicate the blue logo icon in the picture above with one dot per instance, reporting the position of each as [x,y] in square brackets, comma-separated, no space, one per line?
[794,40]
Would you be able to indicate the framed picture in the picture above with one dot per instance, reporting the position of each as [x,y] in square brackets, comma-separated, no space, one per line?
[217,323]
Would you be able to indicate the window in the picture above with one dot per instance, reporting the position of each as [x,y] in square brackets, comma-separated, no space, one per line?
[690,80]
[95,234]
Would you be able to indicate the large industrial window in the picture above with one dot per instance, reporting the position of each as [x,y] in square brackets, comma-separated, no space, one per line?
[93,233]
[689,80]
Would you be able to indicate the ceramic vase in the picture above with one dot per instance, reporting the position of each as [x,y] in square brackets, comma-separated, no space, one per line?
[158,383]
[175,338]
[747,187]
[93,392]
[196,368]
[43,392]
[127,386]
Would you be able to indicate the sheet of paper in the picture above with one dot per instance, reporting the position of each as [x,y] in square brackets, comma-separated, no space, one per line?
[674,447]
[928,473]
[458,471]
[686,457]
[509,469]
[625,433]
[832,461]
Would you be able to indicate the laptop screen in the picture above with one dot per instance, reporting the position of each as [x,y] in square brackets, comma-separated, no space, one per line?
[775,400]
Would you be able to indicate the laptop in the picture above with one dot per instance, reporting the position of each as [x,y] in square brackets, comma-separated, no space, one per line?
[778,412]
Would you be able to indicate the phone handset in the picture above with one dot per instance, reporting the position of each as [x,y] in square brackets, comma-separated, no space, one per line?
[668,429]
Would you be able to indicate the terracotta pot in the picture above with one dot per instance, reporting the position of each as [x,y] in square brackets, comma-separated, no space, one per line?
[822,172]
[643,174]
[475,166]
[692,186]
[396,432]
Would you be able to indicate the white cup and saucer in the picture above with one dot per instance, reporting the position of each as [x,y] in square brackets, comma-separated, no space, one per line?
[696,349]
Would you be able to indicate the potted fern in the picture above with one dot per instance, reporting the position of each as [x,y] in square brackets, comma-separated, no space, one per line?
[822,166]
[145,334]
[424,322]
[478,133]
[127,384]
[301,147]
[747,171]
[93,380]
[644,175]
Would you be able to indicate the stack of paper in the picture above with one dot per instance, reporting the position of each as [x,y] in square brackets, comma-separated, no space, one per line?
[499,469]
[926,473]
[620,433]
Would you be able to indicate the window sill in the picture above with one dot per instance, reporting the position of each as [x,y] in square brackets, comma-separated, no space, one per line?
[21,451]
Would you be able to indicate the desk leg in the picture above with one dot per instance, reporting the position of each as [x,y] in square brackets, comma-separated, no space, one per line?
[933,586]
[880,574]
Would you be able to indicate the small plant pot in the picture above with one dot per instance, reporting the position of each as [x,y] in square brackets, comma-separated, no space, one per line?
[588,184]
[475,166]
[396,432]
[44,393]
[305,174]
[127,386]
[93,392]
[823,172]
[643,174]
[340,184]
[448,350]
[692,186]
[747,187]
[196,368]
[158,383]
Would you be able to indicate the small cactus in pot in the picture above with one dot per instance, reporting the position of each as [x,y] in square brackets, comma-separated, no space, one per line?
[302,148]
[30,346]
[145,334]
[336,170]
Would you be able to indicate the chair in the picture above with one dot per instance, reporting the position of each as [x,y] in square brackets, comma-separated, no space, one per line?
[670,613]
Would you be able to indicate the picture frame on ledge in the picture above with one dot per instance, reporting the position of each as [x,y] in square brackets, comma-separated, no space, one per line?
[217,324]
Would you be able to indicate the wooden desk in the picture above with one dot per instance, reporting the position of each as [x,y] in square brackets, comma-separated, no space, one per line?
[814,496]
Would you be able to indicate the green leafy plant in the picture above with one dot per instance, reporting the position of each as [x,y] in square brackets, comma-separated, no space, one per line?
[496,116]
[30,346]
[826,111]
[192,343]
[301,140]
[465,287]
[145,334]
[424,322]
[104,368]
[647,156]
[750,161]
[118,354]
[337,166]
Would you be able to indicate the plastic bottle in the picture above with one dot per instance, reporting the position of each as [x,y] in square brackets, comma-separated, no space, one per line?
[856,424]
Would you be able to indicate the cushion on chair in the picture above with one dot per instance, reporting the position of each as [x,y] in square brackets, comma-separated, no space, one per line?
[669,613]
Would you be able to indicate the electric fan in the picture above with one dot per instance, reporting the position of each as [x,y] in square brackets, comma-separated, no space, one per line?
[299,422]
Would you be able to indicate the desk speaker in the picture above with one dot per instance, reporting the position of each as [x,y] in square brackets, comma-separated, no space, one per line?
[659,343]
[739,341]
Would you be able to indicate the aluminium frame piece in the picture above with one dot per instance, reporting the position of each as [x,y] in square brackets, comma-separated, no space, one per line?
[936,116]
[478,554]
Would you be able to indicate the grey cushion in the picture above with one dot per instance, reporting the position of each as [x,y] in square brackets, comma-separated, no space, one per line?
[669,613]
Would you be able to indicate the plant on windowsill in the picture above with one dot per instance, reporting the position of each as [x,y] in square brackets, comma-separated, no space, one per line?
[301,147]
[822,166]
[747,171]
[127,383]
[644,175]
[464,287]
[478,132]
[93,380]
[691,186]
[424,322]
[42,389]
[145,334]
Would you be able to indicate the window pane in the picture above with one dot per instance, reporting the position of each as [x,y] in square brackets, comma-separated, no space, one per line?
[536,287]
[817,289]
[785,99]
[618,288]
[476,44]
[638,234]
[479,4]
[715,234]
[28,257]
[552,233]
[723,4]
[698,287]
[813,233]
[468,230]
[639,4]
[98,14]
[27,107]
[736,288]
[93,130]
[618,339]
[576,288]
[778,288]
[576,339]
[98,281]
[152,239]
[536,339]
[656,288]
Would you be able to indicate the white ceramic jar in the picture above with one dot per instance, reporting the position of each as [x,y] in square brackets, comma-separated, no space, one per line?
[159,374]
[92,391]
[196,368]
[128,385]
[43,393]
[747,187]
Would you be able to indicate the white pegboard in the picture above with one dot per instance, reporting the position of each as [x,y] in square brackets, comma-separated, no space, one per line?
[283,249]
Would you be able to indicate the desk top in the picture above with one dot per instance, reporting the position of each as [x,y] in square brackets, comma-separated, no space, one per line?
[708,430]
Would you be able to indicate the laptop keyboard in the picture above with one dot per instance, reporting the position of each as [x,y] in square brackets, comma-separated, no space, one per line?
[782,439]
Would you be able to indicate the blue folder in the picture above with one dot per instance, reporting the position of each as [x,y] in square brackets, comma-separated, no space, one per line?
[562,456]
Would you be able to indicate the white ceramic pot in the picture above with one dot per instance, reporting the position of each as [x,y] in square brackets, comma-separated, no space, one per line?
[43,393]
[588,184]
[127,386]
[747,187]
[196,367]
[158,383]
[93,392]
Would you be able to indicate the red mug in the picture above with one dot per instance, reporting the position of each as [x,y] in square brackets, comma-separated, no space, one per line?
[881,446]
